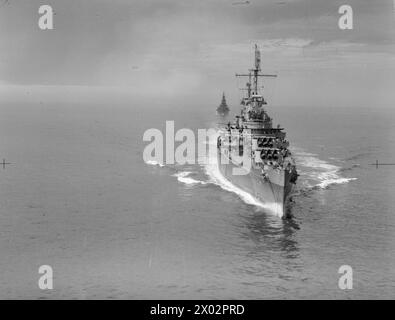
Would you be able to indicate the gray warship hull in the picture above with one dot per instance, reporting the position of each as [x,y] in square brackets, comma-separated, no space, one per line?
[269,171]
[273,191]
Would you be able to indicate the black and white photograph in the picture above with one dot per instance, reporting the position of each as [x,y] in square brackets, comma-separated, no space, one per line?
[197,150]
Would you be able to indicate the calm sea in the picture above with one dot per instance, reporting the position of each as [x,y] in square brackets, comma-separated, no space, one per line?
[78,196]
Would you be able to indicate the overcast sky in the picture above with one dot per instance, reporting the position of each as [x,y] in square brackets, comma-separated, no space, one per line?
[173,46]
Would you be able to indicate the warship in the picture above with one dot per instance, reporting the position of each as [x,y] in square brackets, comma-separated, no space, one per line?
[271,172]
[223,108]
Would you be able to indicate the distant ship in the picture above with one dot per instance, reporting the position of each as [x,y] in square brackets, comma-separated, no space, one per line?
[272,171]
[223,108]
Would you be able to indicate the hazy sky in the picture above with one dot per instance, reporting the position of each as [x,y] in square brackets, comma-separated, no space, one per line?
[174,47]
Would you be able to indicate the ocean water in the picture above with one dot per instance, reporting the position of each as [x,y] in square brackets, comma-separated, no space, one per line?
[79,197]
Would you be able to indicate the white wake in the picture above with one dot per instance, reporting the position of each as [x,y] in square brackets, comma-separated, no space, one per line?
[183,177]
[154,163]
[321,173]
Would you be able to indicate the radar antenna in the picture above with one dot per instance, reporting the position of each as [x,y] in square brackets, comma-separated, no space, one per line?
[255,73]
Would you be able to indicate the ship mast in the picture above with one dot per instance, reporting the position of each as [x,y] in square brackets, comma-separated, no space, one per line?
[257,68]
[255,73]
[249,86]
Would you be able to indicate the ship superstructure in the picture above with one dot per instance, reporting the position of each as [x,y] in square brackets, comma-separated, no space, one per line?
[272,172]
